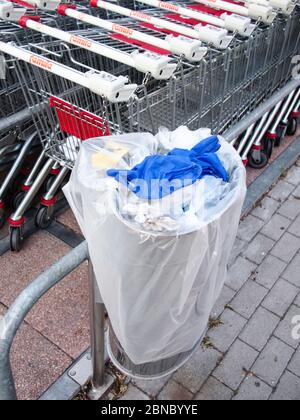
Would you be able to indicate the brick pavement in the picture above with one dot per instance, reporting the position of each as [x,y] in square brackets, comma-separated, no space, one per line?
[254,355]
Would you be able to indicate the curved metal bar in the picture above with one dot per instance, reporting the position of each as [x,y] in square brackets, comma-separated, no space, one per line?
[14,317]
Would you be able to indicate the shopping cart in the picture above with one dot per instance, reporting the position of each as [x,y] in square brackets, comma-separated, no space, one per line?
[18,140]
[17,135]
[72,106]
[257,143]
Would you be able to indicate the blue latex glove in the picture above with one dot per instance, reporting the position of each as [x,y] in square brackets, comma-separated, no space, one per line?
[180,167]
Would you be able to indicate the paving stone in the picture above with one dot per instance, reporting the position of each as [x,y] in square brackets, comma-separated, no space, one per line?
[295,227]
[288,388]
[291,208]
[269,271]
[237,362]
[265,209]
[281,191]
[297,301]
[286,327]
[196,371]
[134,394]
[249,228]
[260,328]
[152,388]
[259,248]
[35,361]
[280,297]
[253,389]
[292,273]
[214,390]
[294,366]
[239,273]
[226,296]
[296,192]
[293,176]
[42,250]
[286,248]
[248,299]
[223,336]
[273,361]
[276,227]
[175,391]
[238,248]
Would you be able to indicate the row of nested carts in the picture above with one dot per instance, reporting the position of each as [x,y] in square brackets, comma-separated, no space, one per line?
[74,71]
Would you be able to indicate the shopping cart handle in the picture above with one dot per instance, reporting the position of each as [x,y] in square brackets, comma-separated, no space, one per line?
[218,37]
[240,24]
[192,49]
[62,8]
[265,13]
[160,67]
[9,12]
[24,19]
[285,6]
[114,89]
[45,4]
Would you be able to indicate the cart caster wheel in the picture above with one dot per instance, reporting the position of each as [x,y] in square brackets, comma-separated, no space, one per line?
[15,187]
[2,218]
[44,217]
[281,133]
[258,163]
[17,200]
[16,239]
[292,127]
[268,147]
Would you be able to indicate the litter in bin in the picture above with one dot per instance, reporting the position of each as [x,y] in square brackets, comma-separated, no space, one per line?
[160,281]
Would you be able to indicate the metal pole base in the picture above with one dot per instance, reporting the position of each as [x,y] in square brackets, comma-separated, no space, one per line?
[97,393]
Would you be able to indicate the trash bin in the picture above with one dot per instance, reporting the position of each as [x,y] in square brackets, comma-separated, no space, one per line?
[159,286]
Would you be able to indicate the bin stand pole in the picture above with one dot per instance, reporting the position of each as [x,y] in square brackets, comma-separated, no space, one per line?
[97,337]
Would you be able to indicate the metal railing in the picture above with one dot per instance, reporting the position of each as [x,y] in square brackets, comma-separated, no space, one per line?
[14,317]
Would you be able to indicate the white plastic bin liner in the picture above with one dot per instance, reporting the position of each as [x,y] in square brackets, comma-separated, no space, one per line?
[159,288]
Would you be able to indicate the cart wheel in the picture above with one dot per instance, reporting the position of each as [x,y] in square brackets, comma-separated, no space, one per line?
[268,147]
[44,217]
[17,200]
[16,239]
[281,132]
[49,182]
[292,126]
[15,187]
[258,163]
[2,218]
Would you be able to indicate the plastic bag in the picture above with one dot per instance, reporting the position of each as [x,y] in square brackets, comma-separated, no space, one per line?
[159,287]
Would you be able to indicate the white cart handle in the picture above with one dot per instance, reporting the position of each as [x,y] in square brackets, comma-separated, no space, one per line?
[160,67]
[285,6]
[235,25]
[191,49]
[207,34]
[225,5]
[265,13]
[8,11]
[44,4]
[115,89]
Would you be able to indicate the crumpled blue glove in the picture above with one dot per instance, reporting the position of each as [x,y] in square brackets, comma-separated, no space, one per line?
[180,168]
